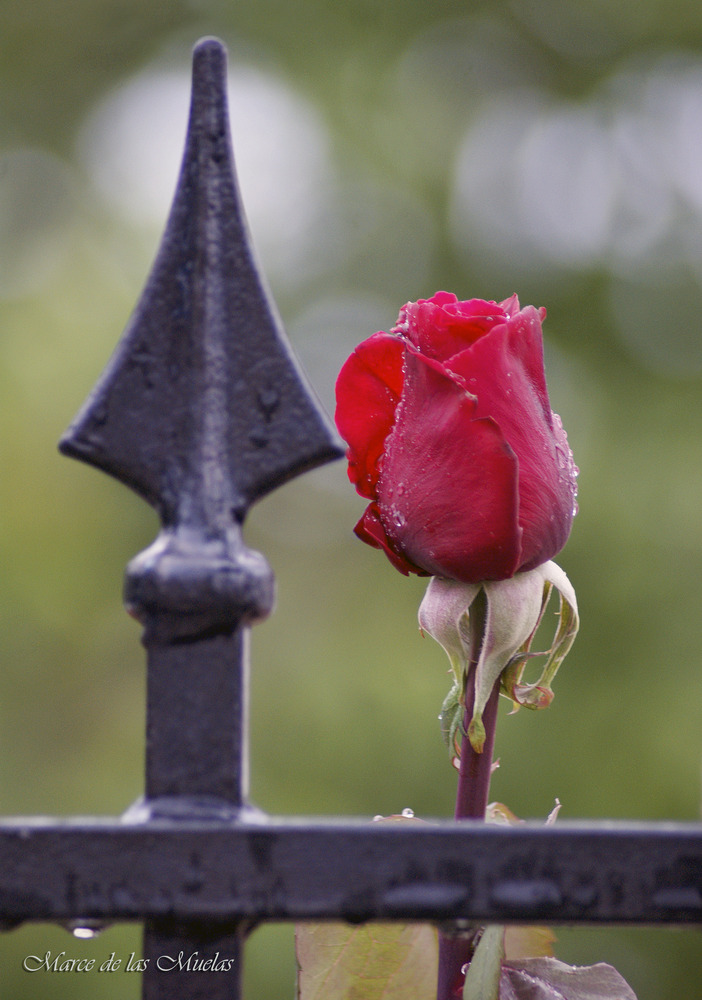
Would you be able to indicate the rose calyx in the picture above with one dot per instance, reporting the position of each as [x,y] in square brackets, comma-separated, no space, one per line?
[487,631]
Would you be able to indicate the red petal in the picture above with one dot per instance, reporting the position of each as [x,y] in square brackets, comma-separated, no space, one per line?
[367,393]
[511,306]
[505,370]
[370,530]
[448,488]
[442,326]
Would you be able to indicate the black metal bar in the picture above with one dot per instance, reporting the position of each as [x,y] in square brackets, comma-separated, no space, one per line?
[266,869]
[196,724]
[196,744]
[197,960]
[202,410]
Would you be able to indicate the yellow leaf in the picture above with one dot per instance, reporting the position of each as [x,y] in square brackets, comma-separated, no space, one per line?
[371,962]
[528,942]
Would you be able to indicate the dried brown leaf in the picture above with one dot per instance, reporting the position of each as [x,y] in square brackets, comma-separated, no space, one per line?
[549,979]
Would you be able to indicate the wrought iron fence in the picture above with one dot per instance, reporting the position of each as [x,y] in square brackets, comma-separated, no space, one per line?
[202,410]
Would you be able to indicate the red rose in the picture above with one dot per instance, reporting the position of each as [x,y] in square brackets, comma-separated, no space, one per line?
[452,439]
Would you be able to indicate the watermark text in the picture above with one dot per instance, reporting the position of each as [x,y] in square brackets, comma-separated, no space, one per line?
[182,962]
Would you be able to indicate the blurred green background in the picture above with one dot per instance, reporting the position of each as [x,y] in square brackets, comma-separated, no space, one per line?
[547,147]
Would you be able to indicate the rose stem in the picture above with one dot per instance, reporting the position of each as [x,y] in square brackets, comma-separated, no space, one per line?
[471,803]
[476,768]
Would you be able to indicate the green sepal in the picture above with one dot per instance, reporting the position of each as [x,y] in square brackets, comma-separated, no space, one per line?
[451,719]
[540,694]
[476,732]
[492,625]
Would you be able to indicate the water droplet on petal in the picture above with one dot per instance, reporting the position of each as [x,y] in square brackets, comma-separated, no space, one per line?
[398,519]
[408,813]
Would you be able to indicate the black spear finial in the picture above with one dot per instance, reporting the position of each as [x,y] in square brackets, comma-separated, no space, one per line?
[202,409]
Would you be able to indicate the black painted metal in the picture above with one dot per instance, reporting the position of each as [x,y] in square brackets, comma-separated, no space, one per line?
[258,868]
[202,410]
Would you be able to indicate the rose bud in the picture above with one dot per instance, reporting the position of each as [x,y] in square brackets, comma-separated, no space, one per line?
[452,439]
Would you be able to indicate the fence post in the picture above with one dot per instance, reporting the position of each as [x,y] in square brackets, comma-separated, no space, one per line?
[202,410]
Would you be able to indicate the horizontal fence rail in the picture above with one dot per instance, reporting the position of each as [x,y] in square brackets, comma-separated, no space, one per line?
[309,870]
[203,410]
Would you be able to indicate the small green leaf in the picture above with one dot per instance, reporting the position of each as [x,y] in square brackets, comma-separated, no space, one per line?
[451,719]
[483,976]
[370,962]
[476,732]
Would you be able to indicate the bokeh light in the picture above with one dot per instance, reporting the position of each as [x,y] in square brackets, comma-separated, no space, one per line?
[133,143]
